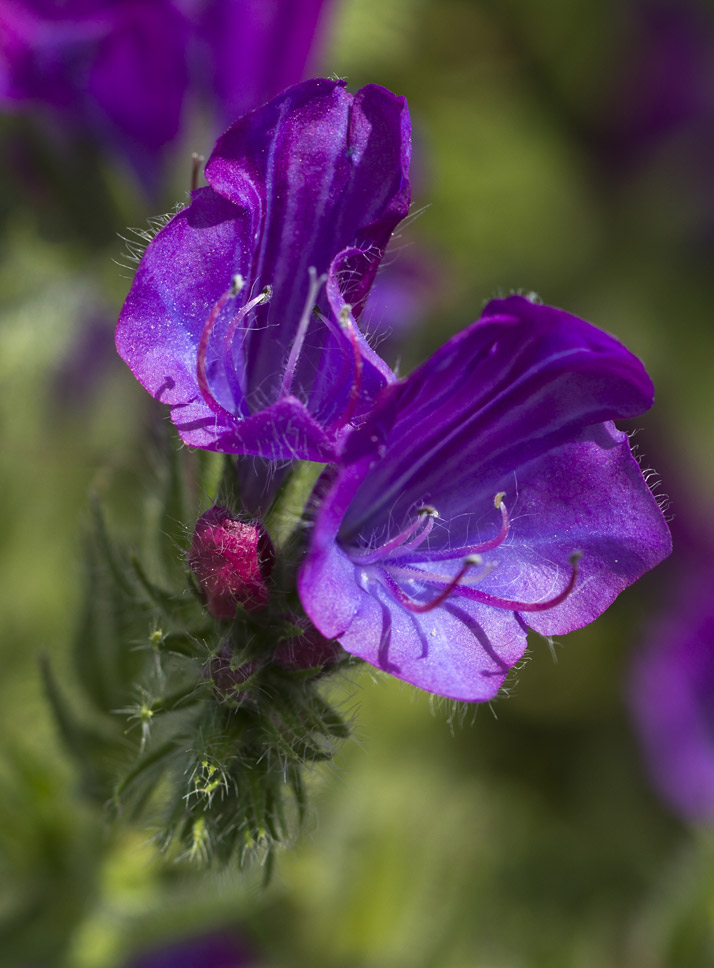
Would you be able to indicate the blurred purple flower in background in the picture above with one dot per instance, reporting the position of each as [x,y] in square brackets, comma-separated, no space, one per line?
[665,81]
[121,71]
[243,313]
[498,494]
[671,687]
[407,289]
[672,697]
[84,367]
[257,48]
[116,70]
[654,129]
[219,950]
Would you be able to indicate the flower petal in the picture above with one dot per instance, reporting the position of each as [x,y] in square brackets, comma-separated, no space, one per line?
[281,431]
[184,271]
[587,496]
[315,180]
[510,387]
[459,650]
[322,170]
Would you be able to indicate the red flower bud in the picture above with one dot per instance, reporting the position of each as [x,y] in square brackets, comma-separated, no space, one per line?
[232,561]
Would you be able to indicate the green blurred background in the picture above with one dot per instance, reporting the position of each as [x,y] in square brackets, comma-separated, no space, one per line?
[519,835]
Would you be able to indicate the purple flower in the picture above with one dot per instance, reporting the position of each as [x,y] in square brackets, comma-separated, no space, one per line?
[257,48]
[672,696]
[243,313]
[671,686]
[408,287]
[488,492]
[122,69]
[664,82]
[217,950]
[115,68]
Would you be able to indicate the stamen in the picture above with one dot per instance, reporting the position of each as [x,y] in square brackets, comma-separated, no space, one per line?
[316,283]
[235,380]
[370,557]
[431,578]
[456,586]
[423,534]
[447,554]
[346,364]
[201,377]
[483,598]
[421,607]
[348,326]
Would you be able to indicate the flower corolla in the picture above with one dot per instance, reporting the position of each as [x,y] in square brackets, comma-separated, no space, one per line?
[487,494]
[243,315]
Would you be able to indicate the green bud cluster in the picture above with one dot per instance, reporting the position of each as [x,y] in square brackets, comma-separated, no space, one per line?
[199,729]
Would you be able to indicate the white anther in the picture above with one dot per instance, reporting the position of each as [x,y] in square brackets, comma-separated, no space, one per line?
[473,560]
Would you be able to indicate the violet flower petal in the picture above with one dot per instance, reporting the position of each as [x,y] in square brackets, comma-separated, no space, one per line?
[315,179]
[116,69]
[139,74]
[514,404]
[323,170]
[672,698]
[535,377]
[258,48]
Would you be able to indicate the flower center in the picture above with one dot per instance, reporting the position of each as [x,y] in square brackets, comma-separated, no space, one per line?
[344,332]
[399,558]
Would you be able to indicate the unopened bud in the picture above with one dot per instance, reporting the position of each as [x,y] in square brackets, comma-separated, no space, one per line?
[232,561]
[231,679]
[308,649]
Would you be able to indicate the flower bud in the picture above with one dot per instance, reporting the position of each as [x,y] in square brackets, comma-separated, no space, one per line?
[230,677]
[232,561]
[307,650]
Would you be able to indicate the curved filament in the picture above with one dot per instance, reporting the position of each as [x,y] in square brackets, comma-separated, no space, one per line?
[456,586]
[421,607]
[201,375]
[447,554]
[316,283]
[424,520]
[236,381]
